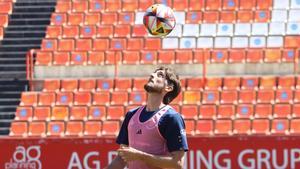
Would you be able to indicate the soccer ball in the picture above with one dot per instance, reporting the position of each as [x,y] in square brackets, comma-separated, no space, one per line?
[159,20]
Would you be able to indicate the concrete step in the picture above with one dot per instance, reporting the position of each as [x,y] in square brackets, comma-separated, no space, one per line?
[13,74]
[12,67]
[34,21]
[33,9]
[26,27]
[20,41]
[7,108]
[29,15]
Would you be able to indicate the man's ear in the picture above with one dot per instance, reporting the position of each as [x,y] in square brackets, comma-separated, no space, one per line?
[169,88]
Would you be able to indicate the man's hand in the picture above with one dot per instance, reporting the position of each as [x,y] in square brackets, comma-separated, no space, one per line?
[130,154]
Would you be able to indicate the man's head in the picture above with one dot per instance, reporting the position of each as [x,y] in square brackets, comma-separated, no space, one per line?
[164,80]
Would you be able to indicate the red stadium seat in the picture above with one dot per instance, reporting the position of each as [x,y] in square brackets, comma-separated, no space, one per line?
[46,99]
[131,57]
[78,113]
[119,98]
[61,58]
[245,16]
[295,127]
[138,84]
[122,31]
[42,113]
[272,55]
[139,31]
[264,4]
[75,19]
[130,5]
[214,83]
[82,98]
[180,5]
[229,97]
[213,5]
[37,129]
[87,31]
[54,31]
[145,4]
[97,113]
[183,56]
[49,45]
[190,127]
[262,16]
[223,127]
[105,84]
[247,4]
[178,99]
[58,19]
[152,44]
[83,45]
[291,41]
[18,129]
[261,126]
[204,127]
[296,111]
[51,85]
[137,98]
[29,99]
[193,17]
[245,111]
[96,58]
[23,114]
[60,113]
[87,85]
[70,31]
[166,57]
[219,56]
[96,6]
[201,56]
[92,128]
[207,112]
[56,129]
[109,18]
[284,96]
[110,128]
[196,5]
[115,113]
[64,98]
[254,56]
[210,16]
[282,111]
[118,44]
[231,83]
[123,84]
[6,7]
[74,128]
[267,82]
[192,97]
[195,83]
[101,98]
[113,6]
[265,96]
[226,111]
[135,44]
[228,17]
[280,126]
[69,85]
[250,83]
[189,112]
[289,55]
[263,111]
[210,97]
[286,82]
[44,58]
[148,57]
[92,19]
[242,127]
[66,45]
[63,6]
[100,44]
[79,6]
[230,4]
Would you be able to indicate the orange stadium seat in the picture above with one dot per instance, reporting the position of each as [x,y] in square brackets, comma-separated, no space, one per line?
[286,82]
[78,113]
[100,44]
[42,113]
[115,113]
[226,111]
[229,97]
[254,56]
[289,55]
[145,4]
[189,127]
[80,6]
[261,126]
[148,57]
[110,128]
[242,126]
[119,98]
[97,113]
[231,83]
[264,4]
[87,31]
[152,44]
[130,5]
[227,16]
[46,99]
[122,31]
[223,127]
[265,96]
[75,19]
[195,83]
[262,16]
[44,58]
[56,129]
[61,58]
[230,4]
[247,4]
[92,128]
[29,99]
[178,100]
[101,98]
[105,84]
[193,17]
[207,112]
[296,111]
[6,7]
[189,112]
[192,97]
[58,19]
[113,57]
[37,129]
[210,97]
[92,19]
[280,126]
[282,111]
[82,98]
[210,16]
[138,84]
[118,44]
[291,41]
[66,45]
[78,58]
[244,111]
[180,5]
[123,84]
[131,57]
[263,111]
[69,85]
[49,45]
[245,16]
[105,31]
[214,83]
[96,57]
[83,44]
[18,129]
[295,127]
[63,6]
[204,127]
[272,55]
[139,31]
[60,113]
[137,98]
[113,5]
[109,18]
[135,43]
[96,5]
[74,128]
[51,85]
[64,98]
[54,31]
[196,5]
[23,113]
[284,96]
[87,85]
[70,31]
[166,57]
[249,83]
[213,4]
[183,56]
[267,82]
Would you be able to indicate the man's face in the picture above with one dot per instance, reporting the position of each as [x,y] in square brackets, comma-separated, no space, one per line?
[156,83]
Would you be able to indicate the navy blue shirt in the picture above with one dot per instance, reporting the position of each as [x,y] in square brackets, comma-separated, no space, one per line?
[171,126]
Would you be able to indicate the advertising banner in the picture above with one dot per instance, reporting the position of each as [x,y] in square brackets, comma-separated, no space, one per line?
[204,152]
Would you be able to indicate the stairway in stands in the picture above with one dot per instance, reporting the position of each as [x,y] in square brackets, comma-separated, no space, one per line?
[25,30]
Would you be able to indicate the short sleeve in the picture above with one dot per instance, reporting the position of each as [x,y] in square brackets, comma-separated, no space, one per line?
[123,134]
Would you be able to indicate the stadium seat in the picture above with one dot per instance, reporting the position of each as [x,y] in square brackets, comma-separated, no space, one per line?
[267,82]
[137,98]
[166,57]
[210,97]
[247,4]
[83,45]
[101,98]
[229,97]
[18,129]
[92,128]
[56,129]
[138,84]
[100,44]
[210,17]
[135,44]
[244,111]
[196,5]
[189,127]
[75,19]
[51,85]
[60,113]
[226,111]
[284,96]
[54,31]
[92,19]
[189,112]
[63,6]
[296,111]
[123,84]
[148,57]
[112,58]
[42,113]
[115,113]
[126,18]
[122,31]
[66,45]
[295,127]
[272,55]
[195,83]
[70,31]
[192,97]
[262,16]
[207,112]
[286,82]
[61,58]
[204,127]
[265,96]
[88,32]
[180,5]
[113,6]
[23,114]
[231,83]
[152,44]
[213,83]
[6,7]
[264,4]
[97,113]
[242,127]
[58,19]
[119,98]
[263,111]
[254,56]
[245,16]
[96,57]
[37,129]
[183,56]
[280,126]
[230,4]
[178,100]
[213,5]
[109,18]
[64,98]
[87,85]
[69,85]
[74,128]
[82,98]
[96,6]
[250,83]
[46,99]
[227,16]
[110,128]
[44,58]
[223,127]
[282,111]
[297,96]
[145,4]
[79,113]
[131,57]
[247,96]
[29,99]
[260,126]
[79,6]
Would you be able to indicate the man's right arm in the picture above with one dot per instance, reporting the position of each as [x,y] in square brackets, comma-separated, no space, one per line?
[118,162]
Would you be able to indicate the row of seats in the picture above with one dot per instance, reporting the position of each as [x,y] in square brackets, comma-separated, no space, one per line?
[199,127]
[209,83]
[164,56]
[192,5]
[102,112]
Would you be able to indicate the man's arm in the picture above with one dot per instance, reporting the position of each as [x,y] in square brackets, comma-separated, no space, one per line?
[175,160]
[118,162]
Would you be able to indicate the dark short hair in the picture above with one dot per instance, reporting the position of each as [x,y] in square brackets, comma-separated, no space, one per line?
[172,79]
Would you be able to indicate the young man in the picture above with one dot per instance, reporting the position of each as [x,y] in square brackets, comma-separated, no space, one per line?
[153,136]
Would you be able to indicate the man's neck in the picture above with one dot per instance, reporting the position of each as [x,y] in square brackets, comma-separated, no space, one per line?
[154,102]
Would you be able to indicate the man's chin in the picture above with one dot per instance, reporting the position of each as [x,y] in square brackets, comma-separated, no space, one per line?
[151,89]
